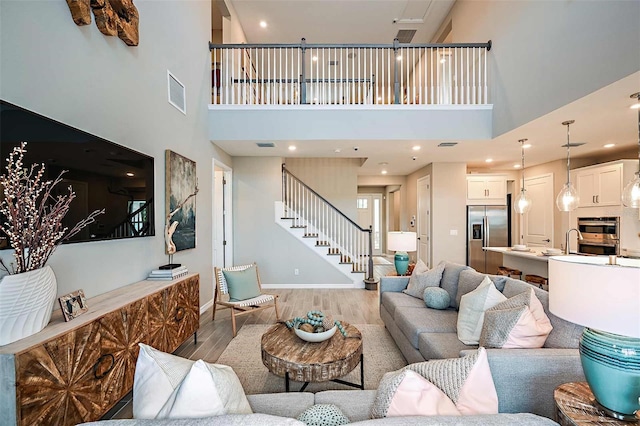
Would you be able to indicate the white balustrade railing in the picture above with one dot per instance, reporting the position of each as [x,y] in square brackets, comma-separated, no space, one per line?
[328,225]
[422,74]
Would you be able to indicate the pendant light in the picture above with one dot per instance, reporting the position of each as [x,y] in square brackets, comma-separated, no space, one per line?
[568,199]
[631,192]
[522,203]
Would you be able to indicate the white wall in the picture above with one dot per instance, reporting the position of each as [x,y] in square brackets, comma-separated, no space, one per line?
[96,83]
[547,53]
[257,183]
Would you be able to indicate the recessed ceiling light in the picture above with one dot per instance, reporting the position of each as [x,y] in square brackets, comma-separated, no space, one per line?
[635,106]
[130,174]
[610,145]
[384,172]
[516,166]
[526,145]
[263,24]
[488,160]
[292,147]
[416,148]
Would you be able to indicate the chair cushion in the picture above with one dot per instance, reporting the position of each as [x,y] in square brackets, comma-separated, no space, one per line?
[450,278]
[472,308]
[242,284]
[169,387]
[516,323]
[457,386]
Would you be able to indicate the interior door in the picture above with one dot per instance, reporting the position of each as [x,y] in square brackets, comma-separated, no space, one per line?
[538,222]
[423,219]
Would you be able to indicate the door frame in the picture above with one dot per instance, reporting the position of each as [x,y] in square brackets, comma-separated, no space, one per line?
[380,197]
[227,206]
[427,219]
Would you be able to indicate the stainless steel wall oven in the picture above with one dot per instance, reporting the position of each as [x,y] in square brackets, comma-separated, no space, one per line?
[600,235]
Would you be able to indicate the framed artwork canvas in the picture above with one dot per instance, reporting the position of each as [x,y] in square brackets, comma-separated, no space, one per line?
[180,182]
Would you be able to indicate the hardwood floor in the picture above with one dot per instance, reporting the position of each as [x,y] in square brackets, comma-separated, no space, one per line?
[351,305]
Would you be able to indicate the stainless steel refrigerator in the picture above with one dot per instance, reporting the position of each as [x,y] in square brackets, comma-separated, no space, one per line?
[487,226]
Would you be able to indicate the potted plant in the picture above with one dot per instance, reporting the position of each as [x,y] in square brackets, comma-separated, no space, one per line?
[32,220]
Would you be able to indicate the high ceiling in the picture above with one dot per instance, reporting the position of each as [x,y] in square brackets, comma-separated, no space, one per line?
[602,117]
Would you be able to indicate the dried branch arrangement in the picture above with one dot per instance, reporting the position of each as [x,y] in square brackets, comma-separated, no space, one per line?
[32,215]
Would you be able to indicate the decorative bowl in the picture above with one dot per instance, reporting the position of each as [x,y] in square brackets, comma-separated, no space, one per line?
[316,337]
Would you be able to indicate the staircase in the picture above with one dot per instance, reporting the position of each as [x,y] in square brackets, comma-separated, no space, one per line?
[326,230]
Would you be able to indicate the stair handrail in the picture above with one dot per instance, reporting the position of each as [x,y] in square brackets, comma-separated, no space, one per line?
[337,210]
[369,280]
[127,220]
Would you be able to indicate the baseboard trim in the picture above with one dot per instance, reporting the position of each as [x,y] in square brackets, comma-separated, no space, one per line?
[206,306]
[313,286]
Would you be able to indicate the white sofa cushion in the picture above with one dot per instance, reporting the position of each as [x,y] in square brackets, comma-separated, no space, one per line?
[472,308]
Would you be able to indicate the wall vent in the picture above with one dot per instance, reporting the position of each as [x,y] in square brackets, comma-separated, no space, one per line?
[447,144]
[177,94]
[405,36]
[266,144]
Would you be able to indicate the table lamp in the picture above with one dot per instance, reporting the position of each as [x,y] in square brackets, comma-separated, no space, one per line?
[401,242]
[605,298]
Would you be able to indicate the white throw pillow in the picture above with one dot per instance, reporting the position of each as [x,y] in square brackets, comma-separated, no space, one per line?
[472,307]
[168,387]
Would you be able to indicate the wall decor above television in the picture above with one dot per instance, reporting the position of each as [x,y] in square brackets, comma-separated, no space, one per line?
[104,175]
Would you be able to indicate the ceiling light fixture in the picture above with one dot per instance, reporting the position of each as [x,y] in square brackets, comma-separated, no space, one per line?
[609,145]
[522,203]
[384,172]
[263,24]
[568,199]
[130,174]
[399,58]
[526,146]
[631,192]
[416,148]
[489,160]
[315,58]
[292,147]
[516,166]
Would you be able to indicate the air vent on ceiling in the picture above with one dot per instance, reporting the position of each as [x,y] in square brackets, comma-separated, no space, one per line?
[265,144]
[334,63]
[177,96]
[405,36]
[447,144]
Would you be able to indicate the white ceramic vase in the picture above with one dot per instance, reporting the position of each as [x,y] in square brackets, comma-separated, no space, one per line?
[26,303]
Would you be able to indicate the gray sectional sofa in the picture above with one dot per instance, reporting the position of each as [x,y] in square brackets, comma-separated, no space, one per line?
[355,404]
[525,378]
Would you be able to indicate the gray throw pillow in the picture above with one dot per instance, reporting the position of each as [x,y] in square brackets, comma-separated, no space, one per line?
[436,298]
[430,278]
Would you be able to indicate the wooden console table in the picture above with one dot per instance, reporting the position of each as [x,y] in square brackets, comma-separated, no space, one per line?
[74,372]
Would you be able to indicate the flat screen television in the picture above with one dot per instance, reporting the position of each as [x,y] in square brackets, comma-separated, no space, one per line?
[104,175]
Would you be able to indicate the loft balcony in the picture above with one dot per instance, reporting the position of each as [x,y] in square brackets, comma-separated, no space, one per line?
[359,92]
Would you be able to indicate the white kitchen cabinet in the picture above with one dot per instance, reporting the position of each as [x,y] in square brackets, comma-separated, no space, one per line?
[486,190]
[599,185]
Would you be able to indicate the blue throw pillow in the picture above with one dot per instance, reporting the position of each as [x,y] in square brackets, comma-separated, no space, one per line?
[243,284]
[436,298]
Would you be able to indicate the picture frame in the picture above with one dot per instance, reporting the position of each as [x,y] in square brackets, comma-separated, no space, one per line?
[180,182]
[73,305]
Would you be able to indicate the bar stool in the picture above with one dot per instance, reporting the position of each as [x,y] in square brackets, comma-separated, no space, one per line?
[510,272]
[541,282]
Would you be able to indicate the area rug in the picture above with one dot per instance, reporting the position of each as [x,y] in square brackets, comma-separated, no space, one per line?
[243,354]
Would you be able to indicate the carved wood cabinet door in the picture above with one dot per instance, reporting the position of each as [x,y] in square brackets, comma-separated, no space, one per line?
[163,329]
[121,331]
[56,382]
[188,310]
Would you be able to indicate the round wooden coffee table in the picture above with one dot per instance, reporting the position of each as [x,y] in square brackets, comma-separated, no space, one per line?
[286,355]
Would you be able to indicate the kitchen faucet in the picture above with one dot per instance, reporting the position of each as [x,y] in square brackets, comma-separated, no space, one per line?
[566,247]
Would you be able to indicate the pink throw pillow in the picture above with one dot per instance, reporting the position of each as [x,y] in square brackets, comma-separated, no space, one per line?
[457,386]
[516,323]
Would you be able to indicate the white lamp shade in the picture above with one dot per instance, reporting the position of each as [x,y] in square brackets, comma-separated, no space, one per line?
[587,291]
[401,241]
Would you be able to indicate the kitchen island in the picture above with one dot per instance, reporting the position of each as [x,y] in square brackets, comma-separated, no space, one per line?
[531,262]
